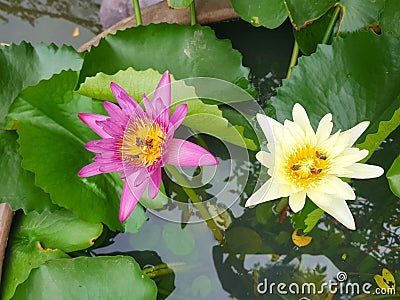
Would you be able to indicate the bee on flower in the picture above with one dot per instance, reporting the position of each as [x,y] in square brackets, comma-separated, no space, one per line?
[138,143]
[303,163]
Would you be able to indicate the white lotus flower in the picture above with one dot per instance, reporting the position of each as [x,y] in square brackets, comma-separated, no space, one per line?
[303,163]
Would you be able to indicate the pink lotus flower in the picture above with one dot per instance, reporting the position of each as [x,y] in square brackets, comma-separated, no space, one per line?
[139,143]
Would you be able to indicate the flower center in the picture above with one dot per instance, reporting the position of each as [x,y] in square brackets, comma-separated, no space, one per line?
[143,143]
[306,165]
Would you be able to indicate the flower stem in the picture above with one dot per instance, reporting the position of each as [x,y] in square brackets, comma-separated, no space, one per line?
[293,60]
[192,14]
[331,24]
[181,180]
[138,14]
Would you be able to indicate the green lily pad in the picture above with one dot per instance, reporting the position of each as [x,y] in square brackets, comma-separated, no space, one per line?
[267,13]
[359,14]
[38,238]
[117,277]
[390,16]
[180,3]
[25,65]
[52,140]
[304,12]
[185,51]
[393,176]
[349,90]
[17,186]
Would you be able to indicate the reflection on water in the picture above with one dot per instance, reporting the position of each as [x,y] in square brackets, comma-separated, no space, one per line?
[49,21]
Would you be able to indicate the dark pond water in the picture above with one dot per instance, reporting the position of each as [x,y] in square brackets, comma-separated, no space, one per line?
[258,252]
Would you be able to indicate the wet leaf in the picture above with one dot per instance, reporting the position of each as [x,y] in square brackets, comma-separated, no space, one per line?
[48,127]
[299,239]
[117,277]
[185,51]
[349,90]
[393,176]
[267,13]
[38,238]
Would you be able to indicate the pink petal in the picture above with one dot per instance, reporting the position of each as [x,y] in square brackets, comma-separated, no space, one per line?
[178,115]
[148,106]
[184,153]
[91,121]
[163,90]
[116,113]
[130,197]
[90,170]
[154,184]
[127,103]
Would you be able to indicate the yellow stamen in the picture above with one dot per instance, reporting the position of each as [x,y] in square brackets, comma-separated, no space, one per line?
[143,143]
[306,165]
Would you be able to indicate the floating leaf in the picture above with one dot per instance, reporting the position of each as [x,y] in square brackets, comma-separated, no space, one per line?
[22,66]
[359,14]
[350,91]
[179,3]
[268,13]
[393,176]
[38,238]
[304,12]
[52,140]
[299,239]
[390,16]
[117,277]
[385,281]
[17,186]
[184,51]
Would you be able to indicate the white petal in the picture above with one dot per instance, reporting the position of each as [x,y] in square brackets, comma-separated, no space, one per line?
[297,201]
[267,124]
[266,159]
[324,128]
[336,207]
[362,171]
[349,157]
[268,191]
[300,118]
[335,186]
[356,131]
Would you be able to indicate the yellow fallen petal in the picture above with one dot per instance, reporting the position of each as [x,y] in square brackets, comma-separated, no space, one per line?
[386,281]
[299,239]
[76,32]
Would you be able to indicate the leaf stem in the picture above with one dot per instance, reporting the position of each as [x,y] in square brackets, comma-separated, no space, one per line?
[181,180]
[192,13]
[138,14]
[331,24]
[293,60]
